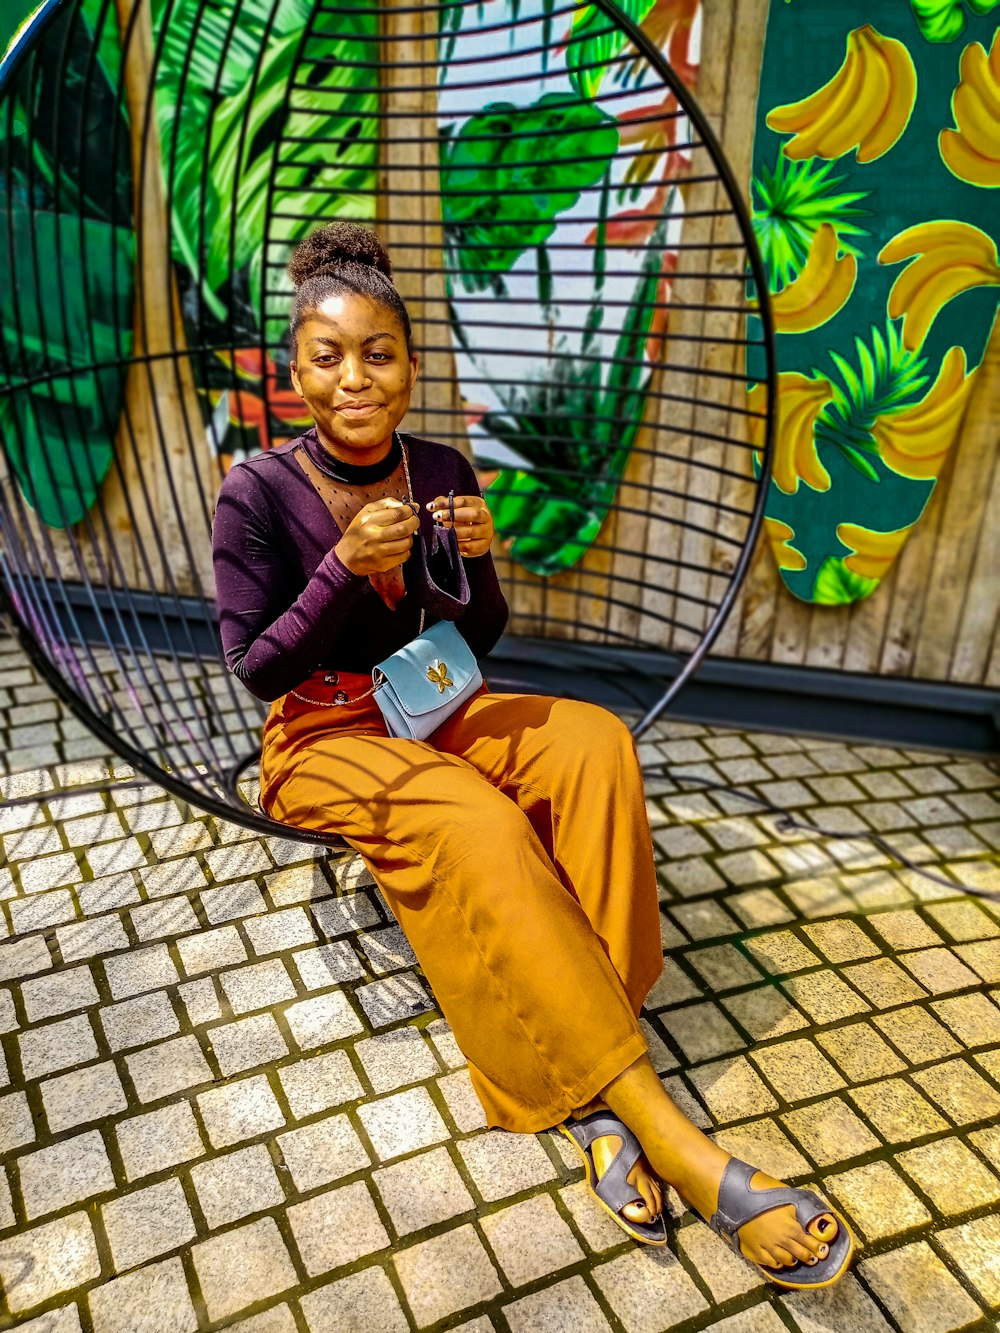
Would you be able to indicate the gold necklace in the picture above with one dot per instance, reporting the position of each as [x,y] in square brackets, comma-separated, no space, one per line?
[341,697]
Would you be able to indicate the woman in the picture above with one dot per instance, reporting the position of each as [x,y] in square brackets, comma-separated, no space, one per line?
[513,846]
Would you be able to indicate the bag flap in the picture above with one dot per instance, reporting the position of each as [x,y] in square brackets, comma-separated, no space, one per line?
[429,670]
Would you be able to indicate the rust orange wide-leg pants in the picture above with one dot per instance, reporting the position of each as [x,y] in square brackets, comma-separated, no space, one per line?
[515,852]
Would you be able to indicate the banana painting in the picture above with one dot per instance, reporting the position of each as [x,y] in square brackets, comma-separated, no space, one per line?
[780,536]
[872,551]
[820,290]
[916,441]
[946,259]
[800,401]
[971,151]
[874,201]
[865,106]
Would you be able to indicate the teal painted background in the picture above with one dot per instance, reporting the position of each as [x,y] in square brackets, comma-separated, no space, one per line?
[906,186]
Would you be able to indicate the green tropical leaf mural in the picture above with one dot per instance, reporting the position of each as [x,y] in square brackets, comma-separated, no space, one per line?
[488,172]
[66,271]
[792,200]
[229,69]
[568,423]
[836,585]
[944,20]
[589,59]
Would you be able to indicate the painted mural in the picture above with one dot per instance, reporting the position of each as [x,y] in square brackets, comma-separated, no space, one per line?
[550,448]
[876,165]
[592,230]
[66,324]
[553,444]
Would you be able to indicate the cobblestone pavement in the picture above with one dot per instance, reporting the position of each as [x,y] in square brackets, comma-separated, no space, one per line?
[229,1102]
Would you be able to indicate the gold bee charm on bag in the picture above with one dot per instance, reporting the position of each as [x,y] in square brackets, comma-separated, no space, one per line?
[439,676]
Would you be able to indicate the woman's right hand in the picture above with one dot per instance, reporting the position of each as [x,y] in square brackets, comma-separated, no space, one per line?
[379,538]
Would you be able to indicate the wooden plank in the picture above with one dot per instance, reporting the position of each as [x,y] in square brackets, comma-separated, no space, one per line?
[161,436]
[673,421]
[971,661]
[628,530]
[963,505]
[753,615]
[701,486]
[866,629]
[409,214]
[993,669]
[747,631]
[910,581]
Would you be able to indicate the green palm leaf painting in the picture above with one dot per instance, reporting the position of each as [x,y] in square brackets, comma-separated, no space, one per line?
[66,270]
[887,377]
[229,68]
[792,200]
[944,20]
[576,423]
[489,173]
[602,43]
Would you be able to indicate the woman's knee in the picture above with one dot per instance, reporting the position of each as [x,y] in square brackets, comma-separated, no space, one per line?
[596,729]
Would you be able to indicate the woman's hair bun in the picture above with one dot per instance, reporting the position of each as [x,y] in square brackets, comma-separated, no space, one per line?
[333,246]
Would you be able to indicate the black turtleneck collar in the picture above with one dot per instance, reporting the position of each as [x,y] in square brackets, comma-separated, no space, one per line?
[351,473]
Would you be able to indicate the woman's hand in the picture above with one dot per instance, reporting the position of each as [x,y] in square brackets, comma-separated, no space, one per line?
[473,522]
[379,538]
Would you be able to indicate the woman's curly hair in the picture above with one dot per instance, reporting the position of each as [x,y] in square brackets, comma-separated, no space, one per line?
[339,258]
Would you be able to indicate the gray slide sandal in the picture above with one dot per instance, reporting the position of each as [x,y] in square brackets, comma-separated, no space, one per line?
[613,1191]
[739,1203]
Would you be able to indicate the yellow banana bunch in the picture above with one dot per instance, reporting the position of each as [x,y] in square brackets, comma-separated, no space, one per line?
[820,290]
[949,258]
[972,151]
[866,105]
[915,442]
[873,552]
[800,401]
[779,535]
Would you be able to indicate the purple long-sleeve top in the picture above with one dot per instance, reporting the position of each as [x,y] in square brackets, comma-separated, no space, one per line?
[288,606]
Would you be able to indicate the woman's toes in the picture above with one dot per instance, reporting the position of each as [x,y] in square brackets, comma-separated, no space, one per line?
[646,1186]
[638,1212]
[784,1256]
[802,1253]
[769,1258]
[824,1227]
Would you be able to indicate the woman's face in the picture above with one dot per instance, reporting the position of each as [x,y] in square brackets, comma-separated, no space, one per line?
[355,375]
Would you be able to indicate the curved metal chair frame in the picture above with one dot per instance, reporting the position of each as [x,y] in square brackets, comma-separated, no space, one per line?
[114,603]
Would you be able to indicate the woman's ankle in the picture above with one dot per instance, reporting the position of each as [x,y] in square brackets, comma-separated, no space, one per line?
[596,1104]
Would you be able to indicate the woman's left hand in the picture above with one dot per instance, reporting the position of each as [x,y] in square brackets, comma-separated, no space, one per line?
[473,522]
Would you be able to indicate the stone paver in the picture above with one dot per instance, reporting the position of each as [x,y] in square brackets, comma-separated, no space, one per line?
[448,1273]
[228,1102]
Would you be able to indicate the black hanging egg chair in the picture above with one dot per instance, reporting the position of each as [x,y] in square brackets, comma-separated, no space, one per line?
[579,266]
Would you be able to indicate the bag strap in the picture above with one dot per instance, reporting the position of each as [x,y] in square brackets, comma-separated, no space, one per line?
[318,481]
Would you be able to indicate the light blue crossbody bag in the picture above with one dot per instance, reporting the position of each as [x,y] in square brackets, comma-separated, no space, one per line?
[422,684]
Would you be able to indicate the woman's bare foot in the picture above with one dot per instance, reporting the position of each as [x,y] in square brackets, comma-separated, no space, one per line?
[775,1238]
[641,1177]
[687,1159]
